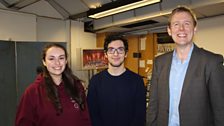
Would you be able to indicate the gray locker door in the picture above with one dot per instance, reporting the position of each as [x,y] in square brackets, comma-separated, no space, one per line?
[7,83]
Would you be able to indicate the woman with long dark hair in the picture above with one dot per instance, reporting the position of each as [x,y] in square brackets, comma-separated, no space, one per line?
[56,97]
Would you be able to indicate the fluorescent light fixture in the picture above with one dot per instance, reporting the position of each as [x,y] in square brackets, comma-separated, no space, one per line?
[123,8]
[136,19]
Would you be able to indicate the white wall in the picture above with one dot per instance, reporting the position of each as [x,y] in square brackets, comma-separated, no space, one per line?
[210,34]
[79,40]
[17,26]
[52,30]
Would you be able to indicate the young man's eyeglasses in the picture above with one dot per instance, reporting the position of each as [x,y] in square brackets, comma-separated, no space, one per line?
[119,50]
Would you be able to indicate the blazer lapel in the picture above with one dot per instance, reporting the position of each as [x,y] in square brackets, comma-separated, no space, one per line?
[165,73]
[190,73]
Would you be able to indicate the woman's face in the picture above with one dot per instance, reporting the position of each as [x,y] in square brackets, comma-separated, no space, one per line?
[55,61]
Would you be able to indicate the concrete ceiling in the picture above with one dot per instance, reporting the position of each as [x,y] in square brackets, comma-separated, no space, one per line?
[149,18]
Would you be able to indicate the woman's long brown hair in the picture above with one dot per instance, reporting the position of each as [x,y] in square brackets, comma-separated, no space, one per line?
[71,83]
